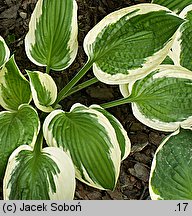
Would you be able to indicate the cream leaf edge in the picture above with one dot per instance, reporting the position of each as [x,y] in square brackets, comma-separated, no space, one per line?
[164,71]
[151,62]
[7,51]
[48,83]
[64,181]
[30,38]
[115,152]
[153,195]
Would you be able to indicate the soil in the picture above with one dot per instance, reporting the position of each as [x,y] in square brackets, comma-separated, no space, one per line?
[134,174]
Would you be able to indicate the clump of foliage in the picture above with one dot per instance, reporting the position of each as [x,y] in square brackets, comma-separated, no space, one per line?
[145,49]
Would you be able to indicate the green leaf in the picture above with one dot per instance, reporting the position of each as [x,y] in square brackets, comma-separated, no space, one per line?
[182,48]
[174,5]
[52,37]
[171,171]
[44,90]
[4,52]
[17,128]
[90,140]
[127,44]
[163,99]
[14,88]
[123,139]
[44,176]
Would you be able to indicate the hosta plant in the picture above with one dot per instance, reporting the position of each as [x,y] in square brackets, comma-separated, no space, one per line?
[44,147]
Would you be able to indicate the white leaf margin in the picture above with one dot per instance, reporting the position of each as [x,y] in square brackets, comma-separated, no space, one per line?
[19,108]
[123,131]
[64,181]
[49,84]
[176,47]
[3,72]
[7,51]
[30,36]
[115,151]
[153,195]
[151,62]
[164,71]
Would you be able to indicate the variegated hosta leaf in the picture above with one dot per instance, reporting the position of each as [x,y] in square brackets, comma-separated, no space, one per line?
[123,139]
[182,47]
[90,140]
[16,128]
[163,99]
[4,52]
[174,5]
[44,90]
[171,171]
[127,44]
[47,175]
[14,88]
[52,37]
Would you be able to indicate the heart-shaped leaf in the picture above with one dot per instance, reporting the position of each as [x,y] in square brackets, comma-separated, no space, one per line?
[123,139]
[44,90]
[90,140]
[17,128]
[174,5]
[47,175]
[4,52]
[14,88]
[171,171]
[127,44]
[182,48]
[52,37]
[163,99]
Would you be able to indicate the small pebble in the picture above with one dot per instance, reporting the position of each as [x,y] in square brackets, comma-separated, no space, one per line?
[23,15]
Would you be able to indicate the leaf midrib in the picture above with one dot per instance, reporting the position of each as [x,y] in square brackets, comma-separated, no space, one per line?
[140,98]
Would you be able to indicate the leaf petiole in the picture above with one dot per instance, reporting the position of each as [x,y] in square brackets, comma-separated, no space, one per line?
[81,86]
[69,86]
[117,102]
[47,69]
